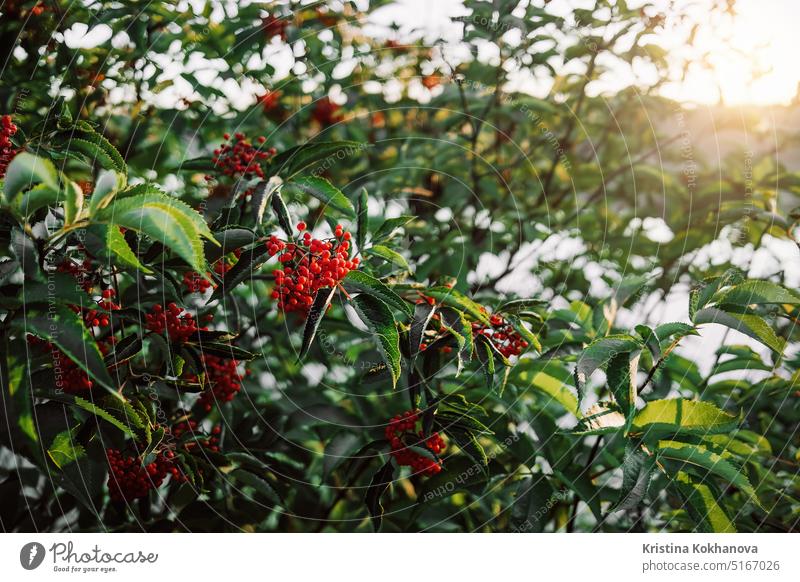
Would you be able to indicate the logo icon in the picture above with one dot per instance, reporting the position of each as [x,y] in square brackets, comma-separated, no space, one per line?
[31,555]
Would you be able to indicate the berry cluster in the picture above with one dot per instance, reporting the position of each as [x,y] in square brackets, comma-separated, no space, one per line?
[189,428]
[223,380]
[239,158]
[194,283]
[401,434]
[83,272]
[7,151]
[69,377]
[130,479]
[97,318]
[309,265]
[502,335]
[179,324]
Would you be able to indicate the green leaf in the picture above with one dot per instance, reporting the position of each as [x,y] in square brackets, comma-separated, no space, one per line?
[377,487]
[700,502]
[282,213]
[423,312]
[389,255]
[599,353]
[469,445]
[109,152]
[260,484]
[759,293]
[363,219]
[360,282]
[526,334]
[65,329]
[699,456]
[379,319]
[116,248]
[165,220]
[486,357]
[105,188]
[93,152]
[322,300]
[73,202]
[453,298]
[325,192]
[390,227]
[539,376]
[104,414]
[457,323]
[701,295]
[637,469]
[532,503]
[229,239]
[64,449]
[294,160]
[37,197]
[245,267]
[26,170]
[751,325]
[680,416]
[621,376]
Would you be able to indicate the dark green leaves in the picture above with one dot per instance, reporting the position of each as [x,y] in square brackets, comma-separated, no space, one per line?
[322,300]
[66,330]
[379,319]
[309,156]
[26,170]
[599,354]
[326,193]
[378,485]
[362,219]
[360,282]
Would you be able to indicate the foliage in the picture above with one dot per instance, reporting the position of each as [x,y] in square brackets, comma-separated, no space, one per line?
[153,367]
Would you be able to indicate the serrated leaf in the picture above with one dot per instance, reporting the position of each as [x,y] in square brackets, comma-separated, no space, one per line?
[325,192]
[390,227]
[637,469]
[65,329]
[455,321]
[360,282]
[294,160]
[699,456]
[540,376]
[598,354]
[73,202]
[65,449]
[701,503]
[248,262]
[104,414]
[751,325]
[281,213]
[110,153]
[621,377]
[458,301]
[423,312]
[229,239]
[165,220]
[389,255]
[680,416]
[380,321]
[759,293]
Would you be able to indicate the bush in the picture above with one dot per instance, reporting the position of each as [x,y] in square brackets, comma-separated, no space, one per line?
[425,314]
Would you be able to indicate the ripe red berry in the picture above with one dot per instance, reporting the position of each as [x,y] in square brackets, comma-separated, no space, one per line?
[402,434]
